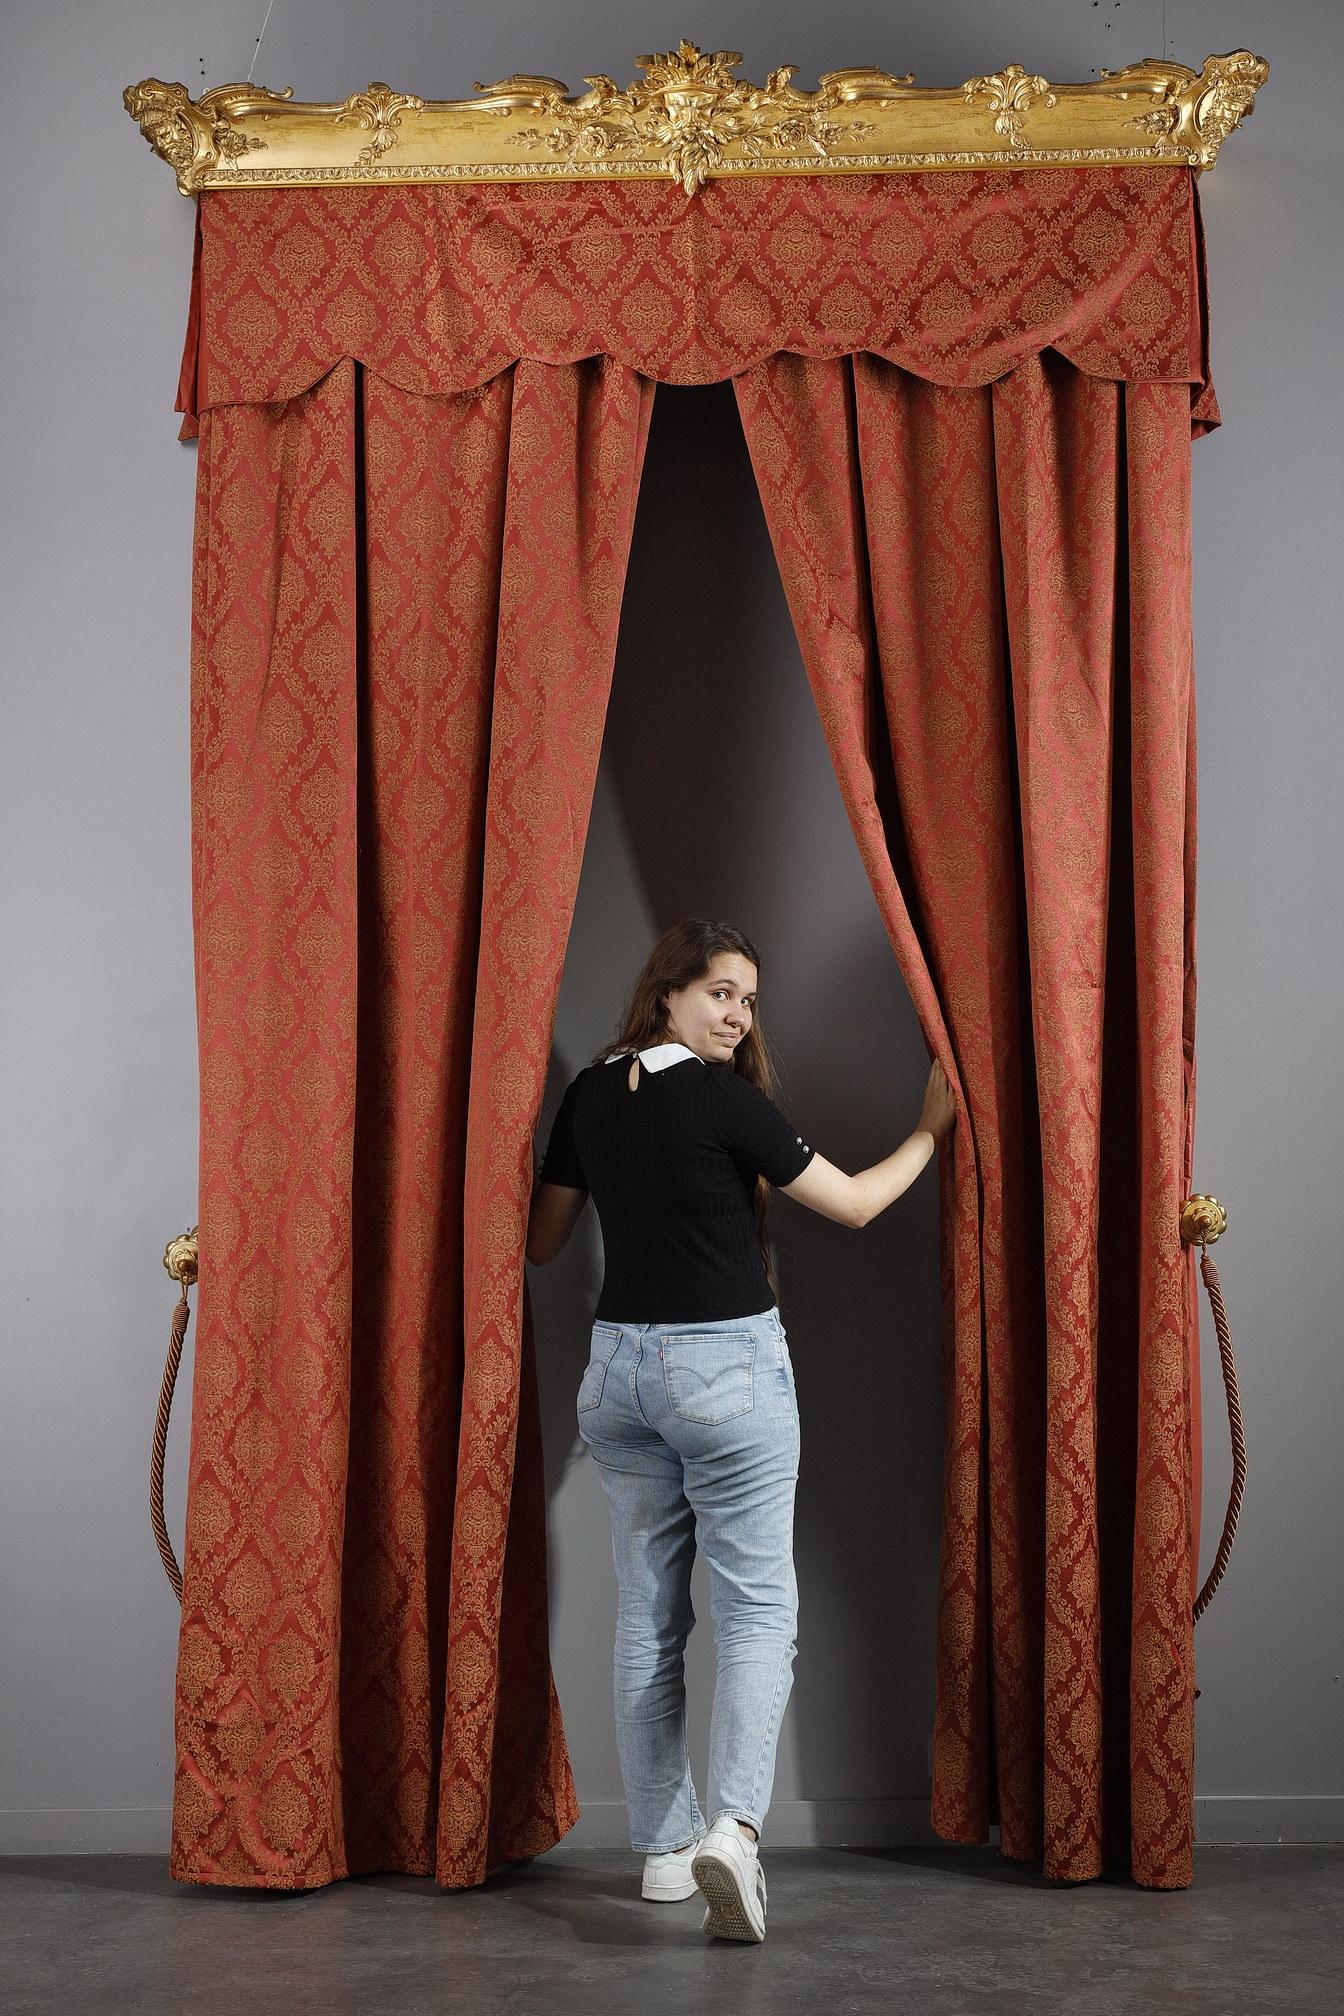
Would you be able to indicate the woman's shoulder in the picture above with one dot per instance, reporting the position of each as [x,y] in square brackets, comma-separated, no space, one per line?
[577,1080]
[729,1085]
[592,1071]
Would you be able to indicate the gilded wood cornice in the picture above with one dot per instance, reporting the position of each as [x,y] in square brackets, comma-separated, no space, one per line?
[690,118]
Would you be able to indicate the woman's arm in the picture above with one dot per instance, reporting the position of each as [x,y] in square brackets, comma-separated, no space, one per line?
[855,1200]
[556,1210]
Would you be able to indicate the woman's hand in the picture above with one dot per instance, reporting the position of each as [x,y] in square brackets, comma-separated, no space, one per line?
[857,1200]
[938,1115]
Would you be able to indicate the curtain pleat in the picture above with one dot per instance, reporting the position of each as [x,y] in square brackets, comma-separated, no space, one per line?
[576,452]
[404,621]
[991,591]
[1056,470]
[1166,1534]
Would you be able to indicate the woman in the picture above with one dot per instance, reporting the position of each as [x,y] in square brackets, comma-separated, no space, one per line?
[688,1403]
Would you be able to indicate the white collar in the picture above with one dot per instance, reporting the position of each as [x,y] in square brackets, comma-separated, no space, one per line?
[659,1056]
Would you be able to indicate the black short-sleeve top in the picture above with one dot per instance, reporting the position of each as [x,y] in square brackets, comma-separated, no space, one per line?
[672,1169]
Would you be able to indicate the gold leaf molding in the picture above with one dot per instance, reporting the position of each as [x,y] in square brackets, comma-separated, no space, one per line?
[690,117]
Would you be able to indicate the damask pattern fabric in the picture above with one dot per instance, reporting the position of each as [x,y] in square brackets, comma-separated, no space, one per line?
[1023,801]
[958,277]
[404,628]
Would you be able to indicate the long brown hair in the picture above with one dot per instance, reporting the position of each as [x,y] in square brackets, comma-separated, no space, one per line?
[683,954]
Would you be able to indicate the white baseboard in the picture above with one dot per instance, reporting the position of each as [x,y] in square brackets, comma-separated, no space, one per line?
[791,1823]
[97,1830]
[1225,1820]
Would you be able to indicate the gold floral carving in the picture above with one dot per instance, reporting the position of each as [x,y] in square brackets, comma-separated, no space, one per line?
[1009,92]
[690,117]
[378,109]
[690,109]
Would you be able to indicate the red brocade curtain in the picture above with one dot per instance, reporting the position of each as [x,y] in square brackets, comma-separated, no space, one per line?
[991,589]
[405,624]
[422,413]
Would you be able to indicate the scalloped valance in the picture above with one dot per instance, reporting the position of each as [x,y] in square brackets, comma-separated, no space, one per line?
[956,277]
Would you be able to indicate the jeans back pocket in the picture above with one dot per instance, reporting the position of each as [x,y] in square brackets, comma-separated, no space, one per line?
[708,1374]
[606,1343]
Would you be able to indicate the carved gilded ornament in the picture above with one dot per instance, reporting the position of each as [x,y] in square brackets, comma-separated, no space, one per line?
[199,138]
[1009,93]
[379,111]
[690,110]
[1225,97]
[690,118]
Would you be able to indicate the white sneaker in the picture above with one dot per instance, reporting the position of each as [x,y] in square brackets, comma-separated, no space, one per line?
[727,1870]
[667,1877]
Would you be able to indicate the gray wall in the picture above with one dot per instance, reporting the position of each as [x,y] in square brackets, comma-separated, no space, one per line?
[97,1045]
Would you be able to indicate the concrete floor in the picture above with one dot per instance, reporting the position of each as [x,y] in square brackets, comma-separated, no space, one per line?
[920,1931]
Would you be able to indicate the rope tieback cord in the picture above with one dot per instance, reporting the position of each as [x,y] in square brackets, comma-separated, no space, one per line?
[181,1259]
[1202,1218]
[1235,1425]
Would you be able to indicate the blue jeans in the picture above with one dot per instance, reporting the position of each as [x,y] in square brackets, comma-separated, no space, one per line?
[694,1427]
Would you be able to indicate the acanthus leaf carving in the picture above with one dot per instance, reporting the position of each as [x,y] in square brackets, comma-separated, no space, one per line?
[688,111]
[1010,92]
[378,108]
